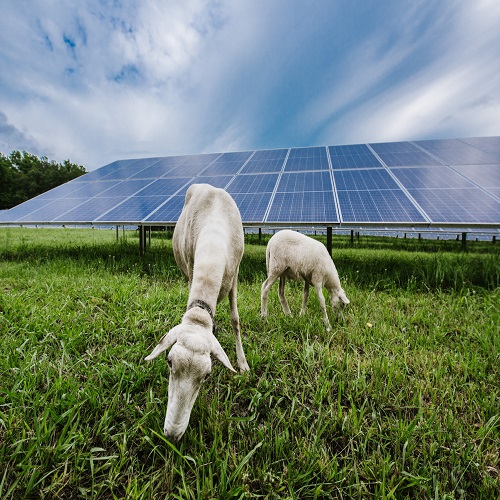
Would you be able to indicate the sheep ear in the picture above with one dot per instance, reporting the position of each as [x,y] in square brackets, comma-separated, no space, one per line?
[165,343]
[343,297]
[219,353]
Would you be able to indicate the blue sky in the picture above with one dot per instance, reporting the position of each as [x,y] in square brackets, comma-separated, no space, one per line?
[94,81]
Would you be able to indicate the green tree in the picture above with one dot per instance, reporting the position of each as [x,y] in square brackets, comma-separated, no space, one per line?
[24,176]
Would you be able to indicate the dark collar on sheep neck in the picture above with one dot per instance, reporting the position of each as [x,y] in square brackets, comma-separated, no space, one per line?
[203,305]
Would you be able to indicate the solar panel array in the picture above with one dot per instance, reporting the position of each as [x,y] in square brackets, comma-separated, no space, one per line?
[452,182]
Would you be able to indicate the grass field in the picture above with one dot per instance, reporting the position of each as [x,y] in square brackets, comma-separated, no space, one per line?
[401,400]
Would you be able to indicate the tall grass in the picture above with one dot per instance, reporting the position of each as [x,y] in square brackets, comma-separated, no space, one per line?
[401,401]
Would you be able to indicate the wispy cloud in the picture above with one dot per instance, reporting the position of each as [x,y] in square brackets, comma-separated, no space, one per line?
[12,138]
[454,92]
[96,81]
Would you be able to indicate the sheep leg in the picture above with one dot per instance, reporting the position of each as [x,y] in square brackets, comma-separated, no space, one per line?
[235,322]
[305,298]
[321,298]
[266,286]
[281,294]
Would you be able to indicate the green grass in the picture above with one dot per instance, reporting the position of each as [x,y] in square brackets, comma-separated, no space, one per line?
[402,400]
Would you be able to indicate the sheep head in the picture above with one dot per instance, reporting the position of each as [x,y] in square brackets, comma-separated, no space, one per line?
[338,298]
[190,364]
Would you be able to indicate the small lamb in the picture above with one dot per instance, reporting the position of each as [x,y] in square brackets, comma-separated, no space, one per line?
[295,256]
[208,246]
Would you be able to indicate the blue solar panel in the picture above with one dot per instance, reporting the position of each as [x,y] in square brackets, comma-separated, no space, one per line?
[373,196]
[463,206]
[89,210]
[292,186]
[353,149]
[389,206]
[164,187]
[312,207]
[265,161]
[305,181]
[252,206]
[218,181]
[263,183]
[422,177]
[52,210]
[301,159]
[359,180]
[169,212]
[130,169]
[71,189]
[154,172]
[486,176]
[227,163]
[354,160]
[395,159]
[96,175]
[18,212]
[469,156]
[133,209]
[124,188]
[206,159]
[270,155]
[4,215]
[485,143]
[394,147]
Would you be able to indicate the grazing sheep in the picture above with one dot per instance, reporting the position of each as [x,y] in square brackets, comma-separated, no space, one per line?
[295,256]
[208,246]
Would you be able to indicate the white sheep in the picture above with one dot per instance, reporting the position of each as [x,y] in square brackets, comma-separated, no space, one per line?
[292,255]
[208,245]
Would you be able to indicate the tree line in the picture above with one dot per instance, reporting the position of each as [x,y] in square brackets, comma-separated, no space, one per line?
[24,176]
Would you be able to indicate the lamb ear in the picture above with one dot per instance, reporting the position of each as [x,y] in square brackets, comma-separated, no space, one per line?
[219,353]
[343,297]
[165,343]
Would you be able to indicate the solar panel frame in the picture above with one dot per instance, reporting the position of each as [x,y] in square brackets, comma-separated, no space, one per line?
[346,185]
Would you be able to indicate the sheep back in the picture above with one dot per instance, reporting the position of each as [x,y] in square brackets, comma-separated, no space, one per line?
[209,232]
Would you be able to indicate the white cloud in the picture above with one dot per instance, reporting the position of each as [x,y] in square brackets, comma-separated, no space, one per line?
[95,81]
[12,138]
[456,94]
[92,81]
